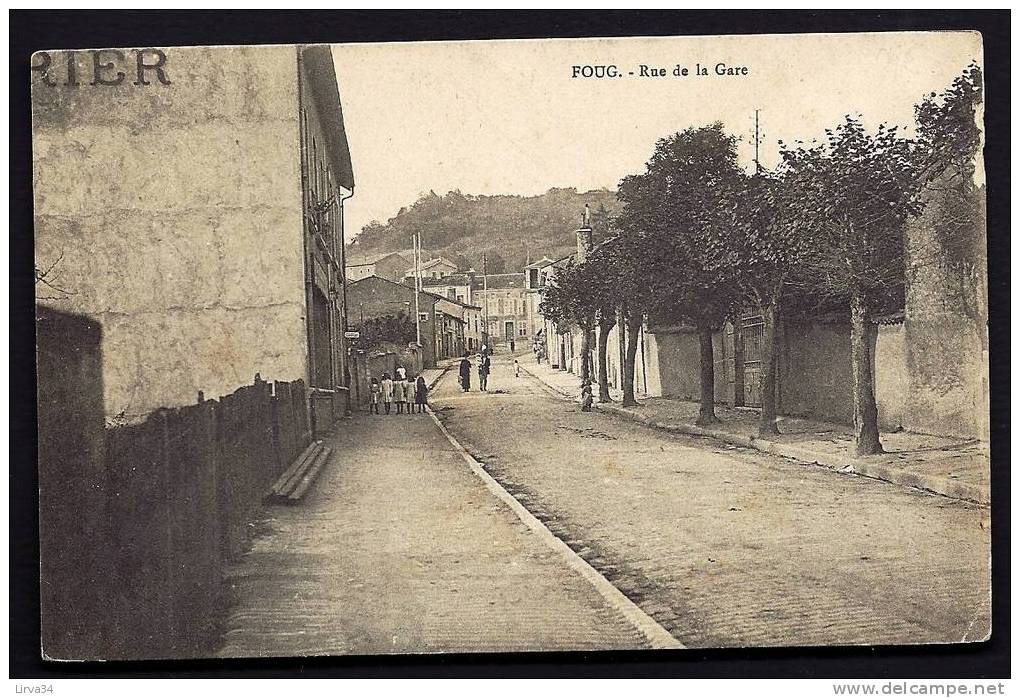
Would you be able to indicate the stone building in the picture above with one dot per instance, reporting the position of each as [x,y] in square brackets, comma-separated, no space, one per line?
[458,286]
[190,202]
[509,308]
[435,268]
[387,265]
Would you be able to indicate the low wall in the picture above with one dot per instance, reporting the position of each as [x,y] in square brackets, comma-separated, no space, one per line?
[678,363]
[138,520]
[72,488]
[892,381]
[814,371]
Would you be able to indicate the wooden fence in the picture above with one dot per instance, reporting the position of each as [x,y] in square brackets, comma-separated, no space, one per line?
[136,532]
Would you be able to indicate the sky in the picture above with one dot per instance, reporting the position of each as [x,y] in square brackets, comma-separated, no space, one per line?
[507,117]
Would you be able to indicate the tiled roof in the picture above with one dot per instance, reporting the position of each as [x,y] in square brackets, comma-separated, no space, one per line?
[448,280]
[361,260]
[497,281]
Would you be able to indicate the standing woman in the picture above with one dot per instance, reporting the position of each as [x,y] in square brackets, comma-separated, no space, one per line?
[465,374]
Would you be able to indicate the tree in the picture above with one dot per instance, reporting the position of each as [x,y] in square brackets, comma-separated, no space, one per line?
[947,146]
[565,301]
[768,247]
[676,221]
[852,195]
[398,328]
[604,293]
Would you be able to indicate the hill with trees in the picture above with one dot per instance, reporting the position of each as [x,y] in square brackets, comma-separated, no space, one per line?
[508,229]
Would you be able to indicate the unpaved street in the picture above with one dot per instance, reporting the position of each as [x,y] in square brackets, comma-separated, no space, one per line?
[729,547]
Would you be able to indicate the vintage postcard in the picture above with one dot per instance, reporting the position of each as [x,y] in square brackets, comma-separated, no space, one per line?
[500,346]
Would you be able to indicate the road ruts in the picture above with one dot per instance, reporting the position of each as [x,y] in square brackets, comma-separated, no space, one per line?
[728,547]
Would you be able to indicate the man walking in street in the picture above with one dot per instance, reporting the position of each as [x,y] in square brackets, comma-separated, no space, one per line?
[483,372]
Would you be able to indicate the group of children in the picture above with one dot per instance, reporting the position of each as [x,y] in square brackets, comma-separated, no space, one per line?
[404,391]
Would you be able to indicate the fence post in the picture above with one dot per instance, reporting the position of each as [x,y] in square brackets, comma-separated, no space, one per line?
[169,556]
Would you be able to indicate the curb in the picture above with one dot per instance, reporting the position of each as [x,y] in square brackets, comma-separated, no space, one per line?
[945,487]
[878,471]
[442,372]
[656,635]
[552,390]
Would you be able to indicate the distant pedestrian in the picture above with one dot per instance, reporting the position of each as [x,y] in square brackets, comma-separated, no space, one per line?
[421,394]
[517,368]
[376,392]
[465,374]
[483,373]
[387,392]
[512,346]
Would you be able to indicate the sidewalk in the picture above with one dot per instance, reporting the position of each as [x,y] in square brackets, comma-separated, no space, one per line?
[401,548]
[957,468]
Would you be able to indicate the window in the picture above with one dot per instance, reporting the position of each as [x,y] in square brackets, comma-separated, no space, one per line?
[523,332]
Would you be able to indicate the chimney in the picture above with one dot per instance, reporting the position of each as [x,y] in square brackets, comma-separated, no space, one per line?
[584,235]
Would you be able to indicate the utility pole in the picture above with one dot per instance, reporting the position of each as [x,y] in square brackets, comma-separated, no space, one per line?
[416,243]
[757,165]
[485,302]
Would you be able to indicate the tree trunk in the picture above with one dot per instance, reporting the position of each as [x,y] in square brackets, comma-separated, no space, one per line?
[865,408]
[585,347]
[767,378]
[605,327]
[633,328]
[707,413]
[585,367]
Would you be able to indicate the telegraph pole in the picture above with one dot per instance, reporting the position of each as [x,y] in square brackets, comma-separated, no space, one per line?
[757,165]
[485,305]
[416,243]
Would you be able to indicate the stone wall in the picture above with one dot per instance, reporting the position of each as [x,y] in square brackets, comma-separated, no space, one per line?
[814,370]
[946,321]
[171,214]
[678,364]
[892,384]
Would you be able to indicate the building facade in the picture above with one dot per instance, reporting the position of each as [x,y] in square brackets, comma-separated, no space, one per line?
[509,308]
[435,268]
[388,265]
[457,286]
[214,254]
[375,297]
[450,327]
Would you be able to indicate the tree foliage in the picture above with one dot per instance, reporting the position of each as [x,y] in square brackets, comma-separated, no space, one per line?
[853,194]
[952,226]
[397,329]
[463,226]
[676,225]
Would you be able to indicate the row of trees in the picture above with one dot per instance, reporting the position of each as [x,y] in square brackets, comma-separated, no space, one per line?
[699,239]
